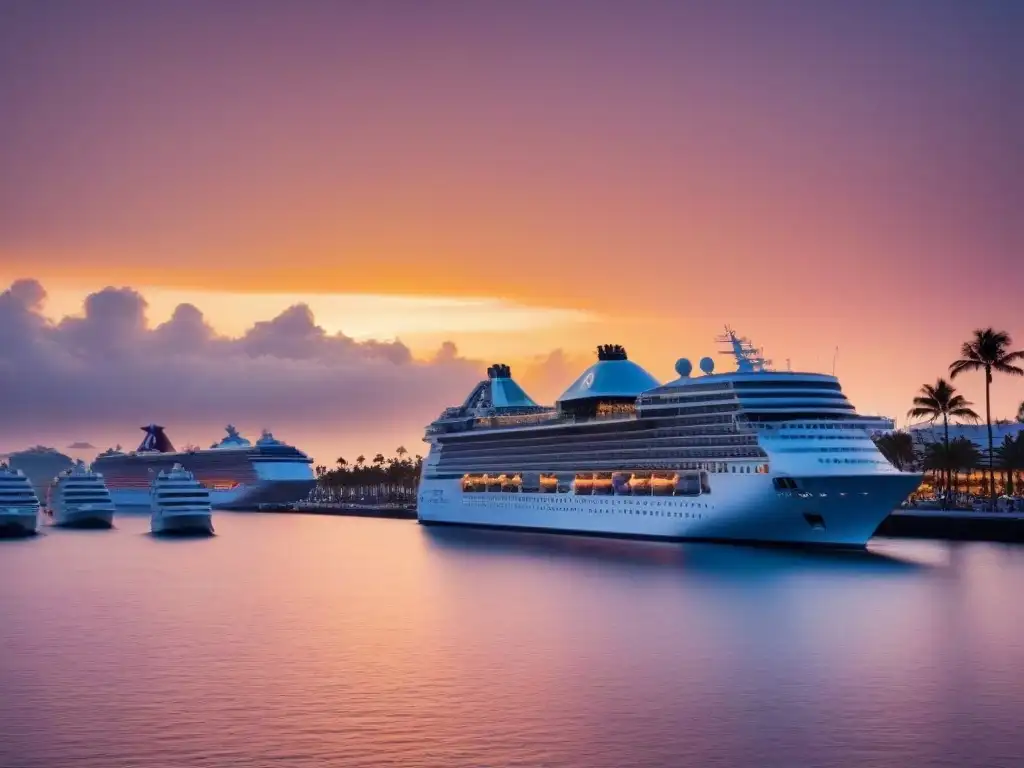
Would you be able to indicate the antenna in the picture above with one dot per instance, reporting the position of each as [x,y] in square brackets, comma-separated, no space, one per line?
[834,356]
[748,357]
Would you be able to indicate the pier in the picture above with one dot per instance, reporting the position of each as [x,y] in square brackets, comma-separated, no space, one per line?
[396,511]
[954,524]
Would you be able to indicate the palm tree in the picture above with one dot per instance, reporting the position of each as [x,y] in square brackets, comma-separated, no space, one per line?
[1020,414]
[938,458]
[964,455]
[898,448]
[989,350]
[341,462]
[1011,458]
[400,452]
[360,460]
[942,400]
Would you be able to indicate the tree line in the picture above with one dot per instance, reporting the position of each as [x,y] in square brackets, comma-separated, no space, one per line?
[381,479]
[988,351]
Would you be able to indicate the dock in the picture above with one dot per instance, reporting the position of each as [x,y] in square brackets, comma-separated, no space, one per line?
[954,524]
[343,509]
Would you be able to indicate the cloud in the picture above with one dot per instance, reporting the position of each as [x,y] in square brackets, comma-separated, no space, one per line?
[545,377]
[81,446]
[107,367]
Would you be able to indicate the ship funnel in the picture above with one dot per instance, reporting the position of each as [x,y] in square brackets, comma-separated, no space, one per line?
[155,440]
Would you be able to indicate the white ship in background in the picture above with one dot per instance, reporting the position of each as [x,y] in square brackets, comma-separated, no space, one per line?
[237,473]
[78,498]
[753,455]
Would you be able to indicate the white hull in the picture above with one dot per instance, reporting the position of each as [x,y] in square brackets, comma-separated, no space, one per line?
[742,508]
[18,521]
[243,497]
[194,523]
[83,515]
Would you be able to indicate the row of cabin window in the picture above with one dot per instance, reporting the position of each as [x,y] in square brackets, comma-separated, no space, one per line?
[651,490]
[651,462]
[707,417]
[856,435]
[670,447]
[726,427]
[882,462]
[823,425]
[585,484]
[644,512]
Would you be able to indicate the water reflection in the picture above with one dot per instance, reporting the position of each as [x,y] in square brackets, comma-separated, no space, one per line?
[315,641]
[621,553]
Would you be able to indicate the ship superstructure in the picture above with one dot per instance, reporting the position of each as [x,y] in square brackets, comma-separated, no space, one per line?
[237,473]
[753,455]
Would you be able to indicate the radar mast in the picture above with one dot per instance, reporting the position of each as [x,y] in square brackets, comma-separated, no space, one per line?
[749,358]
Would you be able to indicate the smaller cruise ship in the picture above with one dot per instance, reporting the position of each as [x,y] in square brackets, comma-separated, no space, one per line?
[239,474]
[78,498]
[179,504]
[19,505]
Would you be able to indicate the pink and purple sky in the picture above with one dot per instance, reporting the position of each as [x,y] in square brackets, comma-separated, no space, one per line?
[361,205]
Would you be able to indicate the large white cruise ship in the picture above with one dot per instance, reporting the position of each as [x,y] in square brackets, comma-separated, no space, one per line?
[754,455]
[238,474]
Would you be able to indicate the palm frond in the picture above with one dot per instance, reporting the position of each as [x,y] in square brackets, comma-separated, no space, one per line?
[964,413]
[971,350]
[923,413]
[1013,370]
[997,338]
[959,366]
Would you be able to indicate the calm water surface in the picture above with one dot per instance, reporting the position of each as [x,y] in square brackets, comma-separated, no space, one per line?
[315,641]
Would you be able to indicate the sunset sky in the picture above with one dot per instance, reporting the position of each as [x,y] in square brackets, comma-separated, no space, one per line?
[368,202]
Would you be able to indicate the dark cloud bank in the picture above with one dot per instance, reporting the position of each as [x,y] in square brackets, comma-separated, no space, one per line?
[109,367]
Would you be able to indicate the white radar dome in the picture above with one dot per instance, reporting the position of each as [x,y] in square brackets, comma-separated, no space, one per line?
[707,364]
[684,367]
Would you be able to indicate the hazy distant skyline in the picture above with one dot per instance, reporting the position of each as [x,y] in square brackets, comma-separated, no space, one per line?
[524,180]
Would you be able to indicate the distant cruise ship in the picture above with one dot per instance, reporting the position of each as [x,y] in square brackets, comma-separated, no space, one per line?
[238,474]
[754,455]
